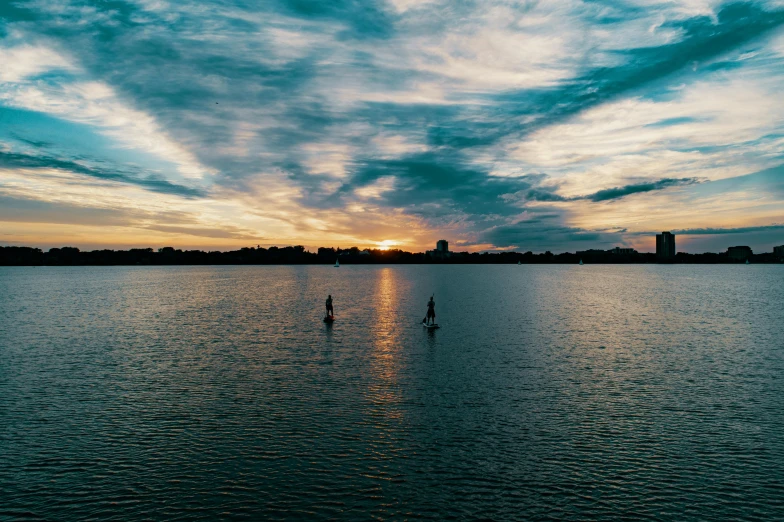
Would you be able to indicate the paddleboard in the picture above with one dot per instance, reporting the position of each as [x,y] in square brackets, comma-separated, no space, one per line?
[329,319]
[431,326]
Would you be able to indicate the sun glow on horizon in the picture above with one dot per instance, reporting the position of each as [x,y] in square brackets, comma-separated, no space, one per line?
[387,244]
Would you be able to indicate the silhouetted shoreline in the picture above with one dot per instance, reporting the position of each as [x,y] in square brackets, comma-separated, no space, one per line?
[297,255]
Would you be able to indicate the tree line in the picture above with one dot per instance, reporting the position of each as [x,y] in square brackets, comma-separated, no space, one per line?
[297,255]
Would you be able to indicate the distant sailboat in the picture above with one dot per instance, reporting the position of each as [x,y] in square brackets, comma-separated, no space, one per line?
[519,263]
[747,261]
[337,263]
[581,261]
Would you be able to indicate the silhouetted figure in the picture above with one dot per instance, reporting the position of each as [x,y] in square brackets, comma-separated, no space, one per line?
[431,312]
[330,310]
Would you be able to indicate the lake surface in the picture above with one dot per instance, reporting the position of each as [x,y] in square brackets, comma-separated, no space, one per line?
[550,392]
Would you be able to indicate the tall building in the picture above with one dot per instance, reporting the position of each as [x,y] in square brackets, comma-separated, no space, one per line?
[441,251]
[778,251]
[665,245]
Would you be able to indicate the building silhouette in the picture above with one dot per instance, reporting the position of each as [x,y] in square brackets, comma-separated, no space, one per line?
[740,253]
[778,251]
[593,252]
[665,245]
[441,251]
[618,251]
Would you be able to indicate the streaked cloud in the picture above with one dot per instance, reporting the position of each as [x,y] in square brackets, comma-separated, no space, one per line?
[637,188]
[10,160]
[739,230]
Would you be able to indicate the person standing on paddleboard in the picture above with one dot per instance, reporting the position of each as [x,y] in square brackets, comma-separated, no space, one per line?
[431,311]
[330,310]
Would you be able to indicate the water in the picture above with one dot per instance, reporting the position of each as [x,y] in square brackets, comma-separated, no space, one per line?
[550,392]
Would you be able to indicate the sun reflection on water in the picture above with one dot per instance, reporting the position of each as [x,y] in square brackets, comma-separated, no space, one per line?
[386,344]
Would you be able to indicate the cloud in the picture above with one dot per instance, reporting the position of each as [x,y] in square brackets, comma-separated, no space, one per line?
[703,40]
[37,211]
[548,194]
[363,19]
[737,230]
[15,209]
[11,160]
[620,192]
[96,104]
[25,61]
[352,119]
[226,233]
[545,233]
[435,185]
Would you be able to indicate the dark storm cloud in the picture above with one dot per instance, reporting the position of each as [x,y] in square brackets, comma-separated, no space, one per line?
[150,181]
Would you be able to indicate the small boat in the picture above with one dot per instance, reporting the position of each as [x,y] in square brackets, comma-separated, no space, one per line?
[581,261]
[519,263]
[747,261]
[337,263]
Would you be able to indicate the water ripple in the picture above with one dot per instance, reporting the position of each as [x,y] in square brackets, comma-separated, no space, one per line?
[550,393]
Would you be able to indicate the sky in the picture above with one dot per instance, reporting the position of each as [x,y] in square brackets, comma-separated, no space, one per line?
[498,125]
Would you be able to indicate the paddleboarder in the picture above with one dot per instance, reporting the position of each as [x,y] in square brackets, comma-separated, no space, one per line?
[330,310]
[431,311]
